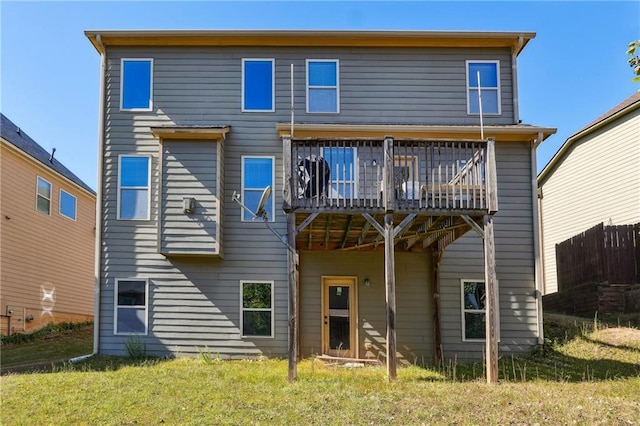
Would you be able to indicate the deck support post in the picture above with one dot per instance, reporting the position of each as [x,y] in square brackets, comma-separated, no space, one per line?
[389,256]
[435,261]
[491,299]
[293,263]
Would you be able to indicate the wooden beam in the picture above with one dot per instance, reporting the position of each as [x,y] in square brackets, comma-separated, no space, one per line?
[491,337]
[491,177]
[374,223]
[422,229]
[293,262]
[388,184]
[435,260]
[390,286]
[363,233]
[404,225]
[326,232]
[288,183]
[306,222]
[473,225]
[346,231]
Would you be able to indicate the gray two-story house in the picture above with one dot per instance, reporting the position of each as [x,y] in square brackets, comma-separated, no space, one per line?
[400,225]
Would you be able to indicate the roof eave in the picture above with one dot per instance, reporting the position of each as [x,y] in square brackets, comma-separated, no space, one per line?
[329,38]
[579,135]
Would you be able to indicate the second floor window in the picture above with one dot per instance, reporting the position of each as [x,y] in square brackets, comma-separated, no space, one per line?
[67,205]
[136,84]
[133,187]
[257,174]
[323,89]
[489,87]
[43,196]
[258,81]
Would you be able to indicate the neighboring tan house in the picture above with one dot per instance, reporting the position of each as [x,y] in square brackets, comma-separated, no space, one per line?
[382,182]
[593,178]
[47,243]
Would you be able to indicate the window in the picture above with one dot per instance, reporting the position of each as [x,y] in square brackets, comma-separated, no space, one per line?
[489,87]
[136,85]
[133,187]
[473,310]
[43,196]
[257,174]
[67,205]
[322,86]
[342,163]
[131,300]
[258,82]
[257,309]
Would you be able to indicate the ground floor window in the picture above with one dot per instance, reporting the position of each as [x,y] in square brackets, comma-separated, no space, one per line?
[131,302]
[474,310]
[256,319]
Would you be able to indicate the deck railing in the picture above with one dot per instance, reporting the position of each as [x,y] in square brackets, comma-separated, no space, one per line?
[328,174]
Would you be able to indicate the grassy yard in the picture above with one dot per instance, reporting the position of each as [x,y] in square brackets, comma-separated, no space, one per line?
[581,377]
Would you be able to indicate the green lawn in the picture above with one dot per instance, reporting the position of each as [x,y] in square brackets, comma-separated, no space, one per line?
[48,349]
[581,377]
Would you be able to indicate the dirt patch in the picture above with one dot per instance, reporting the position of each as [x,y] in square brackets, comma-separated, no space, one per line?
[619,336]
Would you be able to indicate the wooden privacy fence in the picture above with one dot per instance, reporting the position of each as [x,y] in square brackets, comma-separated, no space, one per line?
[600,254]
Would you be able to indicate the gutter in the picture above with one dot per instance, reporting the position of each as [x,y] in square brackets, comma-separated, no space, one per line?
[98,245]
[514,78]
[536,238]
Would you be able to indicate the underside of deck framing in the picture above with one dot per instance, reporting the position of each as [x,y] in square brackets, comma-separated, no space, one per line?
[353,232]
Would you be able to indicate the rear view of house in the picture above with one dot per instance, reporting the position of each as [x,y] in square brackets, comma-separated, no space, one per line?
[47,228]
[393,216]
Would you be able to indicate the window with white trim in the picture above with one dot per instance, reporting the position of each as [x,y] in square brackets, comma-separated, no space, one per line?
[256,306]
[258,83]
[133,187]
[474,310]
[131,306]
[136,84]
[257,174]
[487,87]
[323,86]
[43,195]
[67,205]
[344,172]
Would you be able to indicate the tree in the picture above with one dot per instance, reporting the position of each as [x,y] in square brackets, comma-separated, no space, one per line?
[634,59]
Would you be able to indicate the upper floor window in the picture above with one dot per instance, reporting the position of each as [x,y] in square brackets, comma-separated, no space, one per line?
[131,306]
[67,205]
[136,85]
[257,174]
[323,86]
[488,86]
[133,187]
[258,82]
[43,196]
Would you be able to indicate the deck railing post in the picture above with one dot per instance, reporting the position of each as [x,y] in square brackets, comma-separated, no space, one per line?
[288,181]
[491,177]
[388,185]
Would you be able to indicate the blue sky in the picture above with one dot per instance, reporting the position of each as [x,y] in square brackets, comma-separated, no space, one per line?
[573,71]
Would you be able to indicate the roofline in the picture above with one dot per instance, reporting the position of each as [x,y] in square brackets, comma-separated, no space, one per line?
[329,38]
[512,133]
[42,166]
[571,140]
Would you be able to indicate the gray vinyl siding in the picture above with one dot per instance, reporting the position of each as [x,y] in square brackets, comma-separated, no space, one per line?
[194,303]
[190,170]
[414,302]
[513,230]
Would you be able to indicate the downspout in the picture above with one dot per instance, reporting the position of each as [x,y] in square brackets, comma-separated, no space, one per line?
[98,243]
[536,237]
[514,79]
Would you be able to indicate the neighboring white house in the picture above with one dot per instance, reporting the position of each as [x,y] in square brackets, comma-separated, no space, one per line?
[593,178]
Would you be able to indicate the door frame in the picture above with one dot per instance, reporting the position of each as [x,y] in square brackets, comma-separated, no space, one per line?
[350,281]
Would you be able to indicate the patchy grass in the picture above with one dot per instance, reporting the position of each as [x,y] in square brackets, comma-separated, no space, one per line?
[579,377]
[47,347]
